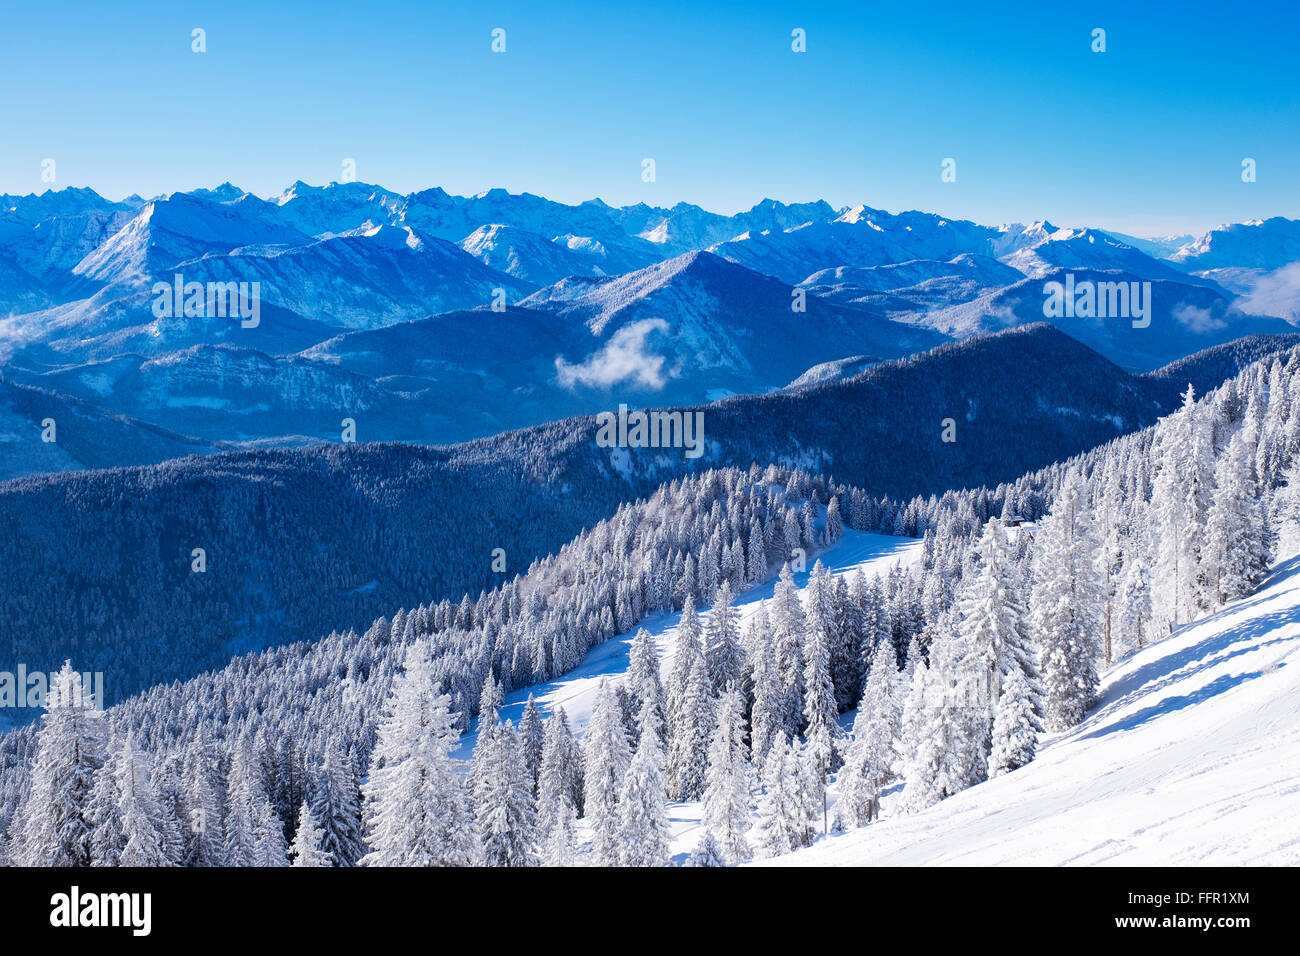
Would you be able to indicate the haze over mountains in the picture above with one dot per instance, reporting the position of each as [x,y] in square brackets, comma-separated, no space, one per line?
[437,318]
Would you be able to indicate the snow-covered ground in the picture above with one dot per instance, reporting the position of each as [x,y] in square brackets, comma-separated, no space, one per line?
[1192,757]
[576,690]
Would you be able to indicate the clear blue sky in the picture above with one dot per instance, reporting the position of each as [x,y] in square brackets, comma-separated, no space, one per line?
[1147,137]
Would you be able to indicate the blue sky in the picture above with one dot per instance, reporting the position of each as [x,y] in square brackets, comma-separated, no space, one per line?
[1147,137]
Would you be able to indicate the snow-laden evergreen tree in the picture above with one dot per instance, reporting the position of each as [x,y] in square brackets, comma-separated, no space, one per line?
[767,717]
[643,831]
[503,799]
[141,816]
[1065,605]
[104,816]
[820,712]
[688,648]
[306,849]
[271,846]
[834,523]
[1180,500]
[755,554]
[1237,548]
[606,758]
[490,701]
[532,735]
[848,664]
[935,759]
[1132,621]
[788,626]
[869,761]
[723,658]
[245,796]
[728,794]
[557,846]
[813,787]
[416,808]
[51,827]
[200,805]
[560,782]
[689,746]
[336,807]
[643,681]
[782,813]
[707,852]
[989,640]
[1016,726]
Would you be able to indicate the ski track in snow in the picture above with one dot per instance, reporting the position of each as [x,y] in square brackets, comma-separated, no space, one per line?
[576,690]
[1191,757]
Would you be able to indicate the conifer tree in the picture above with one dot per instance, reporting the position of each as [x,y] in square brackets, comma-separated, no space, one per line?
[606,759]
[52,827]
[557,850]
[503,799]
[689,745]
[643,681]
[869,761]
[306,849]
[723,657]
[1016,727]
[559,783]
[707,852]
[1066,612]
[532,735]
[141,816]
[643,830]
[336,807]
[728,792]
[782,814]
[416,808]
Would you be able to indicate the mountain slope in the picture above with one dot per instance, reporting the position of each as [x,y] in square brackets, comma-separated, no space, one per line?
[1187,760]
[1259,244]
[1184,318]
[85,436]
[703,322]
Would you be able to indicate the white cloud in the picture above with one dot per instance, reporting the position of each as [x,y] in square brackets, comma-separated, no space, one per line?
[624,358]
[1197,320]
[1275,293]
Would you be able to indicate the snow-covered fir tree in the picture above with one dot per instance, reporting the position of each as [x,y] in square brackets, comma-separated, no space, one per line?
[870,757]
[307,849]
[728,794]
[503,799]
[336,807]
[532,734]
[559,783]
[1066,614]
[52,828]
[606,759]
[723,657]
[643,831]
[782,812]
[1016,726]
[416,808]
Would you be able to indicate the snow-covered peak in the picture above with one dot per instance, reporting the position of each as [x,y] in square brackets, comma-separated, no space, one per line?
[395,237]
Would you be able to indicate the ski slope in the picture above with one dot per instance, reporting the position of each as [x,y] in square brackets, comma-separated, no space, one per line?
[576,691]
[1192,757]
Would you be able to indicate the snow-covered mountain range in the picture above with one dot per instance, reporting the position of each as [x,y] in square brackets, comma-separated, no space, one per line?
[500,310]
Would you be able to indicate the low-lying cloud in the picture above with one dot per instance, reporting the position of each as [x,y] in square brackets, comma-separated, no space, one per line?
[625,358]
